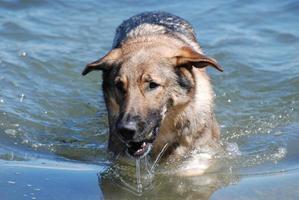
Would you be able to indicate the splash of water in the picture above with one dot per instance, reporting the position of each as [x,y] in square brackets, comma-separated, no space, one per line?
[138,177]
[158,158]
[149,170]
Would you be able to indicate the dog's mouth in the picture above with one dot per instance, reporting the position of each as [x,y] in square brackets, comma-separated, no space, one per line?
[141,148]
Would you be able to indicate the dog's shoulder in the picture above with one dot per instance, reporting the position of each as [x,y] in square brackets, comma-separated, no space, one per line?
[148,23]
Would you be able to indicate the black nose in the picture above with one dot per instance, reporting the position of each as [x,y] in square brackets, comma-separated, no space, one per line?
[127,129]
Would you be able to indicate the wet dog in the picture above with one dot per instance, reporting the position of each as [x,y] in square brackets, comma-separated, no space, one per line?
[156,88]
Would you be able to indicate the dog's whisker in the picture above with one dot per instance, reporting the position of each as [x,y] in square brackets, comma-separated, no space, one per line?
[159,157]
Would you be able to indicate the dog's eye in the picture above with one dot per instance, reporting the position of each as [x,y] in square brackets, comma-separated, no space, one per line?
[120,86]
[153,85]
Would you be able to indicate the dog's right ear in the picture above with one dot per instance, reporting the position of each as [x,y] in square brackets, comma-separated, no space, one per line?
[104,63]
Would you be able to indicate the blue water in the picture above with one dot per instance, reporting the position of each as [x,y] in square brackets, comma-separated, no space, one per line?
[48,111]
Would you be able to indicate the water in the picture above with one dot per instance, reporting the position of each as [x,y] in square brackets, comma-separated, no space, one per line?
[139,183]
[50,114]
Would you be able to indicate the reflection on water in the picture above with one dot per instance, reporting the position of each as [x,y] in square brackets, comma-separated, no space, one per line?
[126,179]
[170,187]
[123,185]
[121,172]
[136,178]
[132,178]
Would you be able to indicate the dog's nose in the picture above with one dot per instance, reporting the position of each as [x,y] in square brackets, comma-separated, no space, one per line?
[127,129]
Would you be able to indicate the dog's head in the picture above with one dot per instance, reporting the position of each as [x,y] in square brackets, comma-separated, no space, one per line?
[141,83]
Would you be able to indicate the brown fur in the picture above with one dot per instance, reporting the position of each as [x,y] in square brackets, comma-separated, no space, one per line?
[184,92]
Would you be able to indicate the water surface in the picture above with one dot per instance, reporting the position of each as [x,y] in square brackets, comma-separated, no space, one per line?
[53,121]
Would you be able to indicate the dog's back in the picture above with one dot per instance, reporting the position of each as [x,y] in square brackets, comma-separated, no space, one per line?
[155,23]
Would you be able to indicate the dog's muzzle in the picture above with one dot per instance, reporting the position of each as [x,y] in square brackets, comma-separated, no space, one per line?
[139,149]
[137,134]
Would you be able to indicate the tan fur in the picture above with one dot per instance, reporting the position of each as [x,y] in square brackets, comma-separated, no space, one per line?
[199,112]
[189,123]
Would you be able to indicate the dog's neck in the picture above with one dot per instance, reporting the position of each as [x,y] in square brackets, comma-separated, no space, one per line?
[192,125]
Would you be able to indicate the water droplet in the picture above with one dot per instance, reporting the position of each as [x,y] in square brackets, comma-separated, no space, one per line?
[25,141]
[24,54]
[281,153]
[233,149]
[257,156]
[22,97]
[228,100]
[11,132]
[139,185]
[1,100]
[34,146]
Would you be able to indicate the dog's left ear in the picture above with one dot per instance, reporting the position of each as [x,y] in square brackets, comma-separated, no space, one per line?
[104,63]
[186,56]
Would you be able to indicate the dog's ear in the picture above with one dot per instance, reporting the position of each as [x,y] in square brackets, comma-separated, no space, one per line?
[186,56]
[104,63]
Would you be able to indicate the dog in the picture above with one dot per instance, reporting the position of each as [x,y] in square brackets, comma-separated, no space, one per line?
[156,88]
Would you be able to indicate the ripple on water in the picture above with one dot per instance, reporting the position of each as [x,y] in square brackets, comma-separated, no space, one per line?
[60,113]
[11,182]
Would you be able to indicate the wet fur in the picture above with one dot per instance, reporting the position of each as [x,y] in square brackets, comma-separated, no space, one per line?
[163,47]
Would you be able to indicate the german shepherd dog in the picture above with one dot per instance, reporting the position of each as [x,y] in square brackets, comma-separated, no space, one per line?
[156,89]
